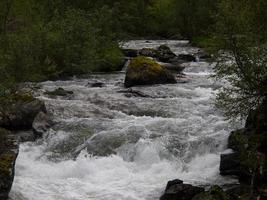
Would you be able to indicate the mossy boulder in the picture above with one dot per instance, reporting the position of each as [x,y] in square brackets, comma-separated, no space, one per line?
[59,92]
[145,71]
[17,111]
[8,154]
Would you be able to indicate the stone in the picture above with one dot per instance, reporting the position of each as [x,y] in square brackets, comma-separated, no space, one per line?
[18,112]
[177,190]
[130,52]
[59,92]
[187,57]
[144,71]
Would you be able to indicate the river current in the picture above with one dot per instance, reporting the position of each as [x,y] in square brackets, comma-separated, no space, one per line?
[105,145]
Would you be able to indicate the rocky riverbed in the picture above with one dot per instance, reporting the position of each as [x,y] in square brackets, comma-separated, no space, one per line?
[104,143]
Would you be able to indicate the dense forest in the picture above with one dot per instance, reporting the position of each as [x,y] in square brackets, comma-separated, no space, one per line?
[44,40]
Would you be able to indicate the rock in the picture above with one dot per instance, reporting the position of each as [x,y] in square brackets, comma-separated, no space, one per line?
[177,190]
[130,52]
[8,154]
[230,164]
[148,52]
[134,93]
[164,53]
[187,57]
[19,111]
[97,84]
[174,67]
[144,71]
[41,124]
[215,193]
[59,92]
[238,139]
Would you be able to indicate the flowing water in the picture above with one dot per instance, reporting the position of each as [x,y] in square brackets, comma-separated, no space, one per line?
[106,145]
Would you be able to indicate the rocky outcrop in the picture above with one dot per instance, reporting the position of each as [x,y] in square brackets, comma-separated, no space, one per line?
[18,111]
[8,153]
[144,71]
[177,190]
[148,52]
[248,161]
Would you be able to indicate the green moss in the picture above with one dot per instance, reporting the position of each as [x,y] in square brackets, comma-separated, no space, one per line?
[6,162]
[141,62]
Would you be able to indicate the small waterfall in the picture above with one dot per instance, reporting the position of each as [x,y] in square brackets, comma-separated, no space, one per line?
[126,64]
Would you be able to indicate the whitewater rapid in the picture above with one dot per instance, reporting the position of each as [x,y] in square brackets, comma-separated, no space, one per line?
[131,145]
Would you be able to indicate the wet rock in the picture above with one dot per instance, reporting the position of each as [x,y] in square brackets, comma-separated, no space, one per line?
[230,164]
[187,57]
[174,67]
[148,52]
[41,124]
[130,52]
[19,111]
[97,84]
[164,53]
[144,71]
[59,92]
[177,190]
[134,93]
[8,153]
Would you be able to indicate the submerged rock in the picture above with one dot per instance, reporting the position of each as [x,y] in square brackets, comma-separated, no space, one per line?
[59,92]
[177,190]
[18,111]
[144,71]
[8,153]
[41,124]
[97,84]
[187,57]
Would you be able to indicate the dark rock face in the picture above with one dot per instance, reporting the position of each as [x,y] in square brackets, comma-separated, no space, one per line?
[250,149]
[230,164]
[19,113]
[187,57]
[144,71]
[8,153]
[176,190]
[59,92]
[130,52]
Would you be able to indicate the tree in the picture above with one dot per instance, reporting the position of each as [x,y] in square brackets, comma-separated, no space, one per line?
[242,33]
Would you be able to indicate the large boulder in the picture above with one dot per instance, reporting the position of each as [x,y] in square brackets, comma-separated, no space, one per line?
[148,52]
[144,71]
[18,111]
[8,153]
[177,190]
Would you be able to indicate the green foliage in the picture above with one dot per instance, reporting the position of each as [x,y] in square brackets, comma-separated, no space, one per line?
[244,63]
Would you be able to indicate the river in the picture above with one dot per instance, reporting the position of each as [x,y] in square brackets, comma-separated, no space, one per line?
[133,145]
